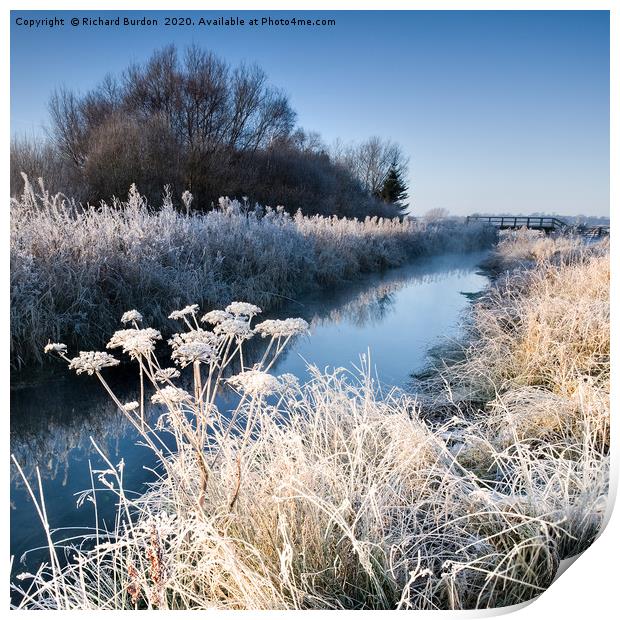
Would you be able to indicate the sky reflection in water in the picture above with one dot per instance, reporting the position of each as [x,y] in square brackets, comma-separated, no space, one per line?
[397,316]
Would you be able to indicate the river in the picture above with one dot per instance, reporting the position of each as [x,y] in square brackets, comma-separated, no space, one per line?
[396,316]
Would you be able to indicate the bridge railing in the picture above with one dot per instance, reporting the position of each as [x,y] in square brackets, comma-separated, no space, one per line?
[520,221]
[596,231]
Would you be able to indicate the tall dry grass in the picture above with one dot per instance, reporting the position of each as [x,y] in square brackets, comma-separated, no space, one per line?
[524,248]
[532,384]
[338,494]
[74,269]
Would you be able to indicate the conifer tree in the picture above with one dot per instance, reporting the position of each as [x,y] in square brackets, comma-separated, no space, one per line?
[394,190]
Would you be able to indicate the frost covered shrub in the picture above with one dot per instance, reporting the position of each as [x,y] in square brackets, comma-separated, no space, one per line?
[73,268]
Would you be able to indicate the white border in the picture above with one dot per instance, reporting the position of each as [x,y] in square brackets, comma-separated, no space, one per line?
[587,589]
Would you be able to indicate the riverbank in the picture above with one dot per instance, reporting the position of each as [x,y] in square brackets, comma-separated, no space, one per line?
[74,271]
[530,387]
[338,495]
[397,315]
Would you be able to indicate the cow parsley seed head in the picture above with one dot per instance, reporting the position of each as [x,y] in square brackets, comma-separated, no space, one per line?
[119,337]
[216,316]
[255,383]
[170,394]
[277,328]
[92,361]
[193,352]
[195,335]
[135,341]
[166,374]
[242,308]
[131,315]
[55,347]
[239,328]
[179,314]
[288,382]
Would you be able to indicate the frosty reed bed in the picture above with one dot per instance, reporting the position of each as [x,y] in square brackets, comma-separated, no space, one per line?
[341,495]
[74,269]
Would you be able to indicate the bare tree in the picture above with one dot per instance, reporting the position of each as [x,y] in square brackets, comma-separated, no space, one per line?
[154,89]
[371,160]
[39,159]
[193,121]
[69,129]
[215,112]
[124,150]
[436,214]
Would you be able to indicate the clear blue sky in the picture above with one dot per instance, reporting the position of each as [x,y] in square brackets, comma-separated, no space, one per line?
[498,111]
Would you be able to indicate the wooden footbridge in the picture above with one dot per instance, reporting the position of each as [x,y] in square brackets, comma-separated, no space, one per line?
[546,224]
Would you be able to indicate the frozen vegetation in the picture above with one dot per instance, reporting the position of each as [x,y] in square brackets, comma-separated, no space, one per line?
[337,494]
[75,269]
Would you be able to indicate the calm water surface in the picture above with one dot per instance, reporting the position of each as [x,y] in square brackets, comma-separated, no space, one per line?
[396,316]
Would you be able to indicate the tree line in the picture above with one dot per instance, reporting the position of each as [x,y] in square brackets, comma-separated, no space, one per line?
[191,121]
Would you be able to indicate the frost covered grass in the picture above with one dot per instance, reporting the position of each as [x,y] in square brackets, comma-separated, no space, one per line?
[340,495]
[517,249]
[532,383]
[74,269]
